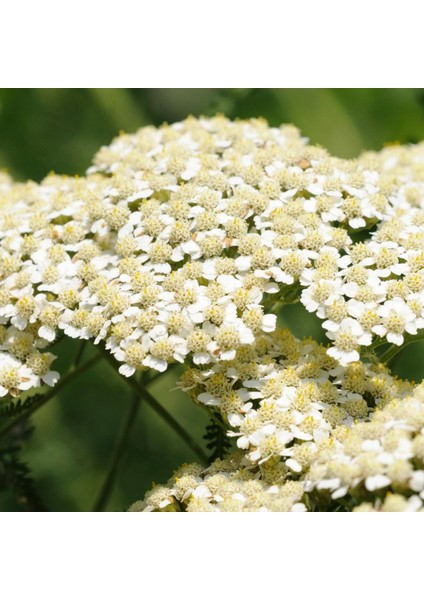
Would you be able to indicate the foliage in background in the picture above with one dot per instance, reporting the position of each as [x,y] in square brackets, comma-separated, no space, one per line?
[59,129]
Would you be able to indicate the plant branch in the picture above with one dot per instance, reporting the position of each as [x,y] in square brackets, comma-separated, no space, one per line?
[117,456]
[79,354]
[159,409]
[393,350]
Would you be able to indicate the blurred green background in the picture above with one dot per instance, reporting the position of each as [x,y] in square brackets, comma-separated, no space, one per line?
[60,129]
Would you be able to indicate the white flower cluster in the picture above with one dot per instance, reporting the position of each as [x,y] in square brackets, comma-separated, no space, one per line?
[181,238]
[392,502]
[226,486]
[178,246]
[374,464]
[285,399]
[139,260]
[290,217]
[386,453]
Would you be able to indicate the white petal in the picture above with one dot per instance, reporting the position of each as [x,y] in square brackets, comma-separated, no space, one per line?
[331,326]
[243,263]
[294,465]
[192,249]
[299,434]
[201,358]
[342,491]
[395,338]
[417,481]
[379,330]
[357,222]
[19,322]
[365,339]
[165,502]
[269,322]
[145,193]
[126,370]
[177,254]
[376,482]
[413,504]
[350,289]
[72,331]
[202,491]
[271,288]
[299,507]
[155,363]
[47,333]
[328,484]
[371,445]
[255,455]
[242,442]
[228,355]
[208,399]
[51,378]
[234,419]
[229,283]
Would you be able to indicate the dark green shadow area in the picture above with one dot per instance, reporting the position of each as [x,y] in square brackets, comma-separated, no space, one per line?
[409,363]
[301,323]
[75,434]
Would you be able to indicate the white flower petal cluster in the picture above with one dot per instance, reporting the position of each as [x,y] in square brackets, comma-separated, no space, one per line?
[382,458]
[283,399]
[178,245]
[375,464]
[141,258]
[226,486]
[392,503]
[181,238]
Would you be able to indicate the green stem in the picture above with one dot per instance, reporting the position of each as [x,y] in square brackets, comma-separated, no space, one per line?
[393,350]
[214,418]
[79,354]
[159,409]
[390,353]
[118,454]
[73,372]
[56,341]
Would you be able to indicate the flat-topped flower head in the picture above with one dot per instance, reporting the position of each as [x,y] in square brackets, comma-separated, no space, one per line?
[375,463]
[284,407]
[226,486]
[181,237]
[384,455]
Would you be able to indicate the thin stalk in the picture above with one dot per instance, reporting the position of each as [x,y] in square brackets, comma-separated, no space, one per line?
[56,341]
[393,350]
[390,353]
[159,409]
[118,454]
[74,372]
[214,418]
[78,357]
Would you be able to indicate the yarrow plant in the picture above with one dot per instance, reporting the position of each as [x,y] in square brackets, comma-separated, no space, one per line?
[181,245]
